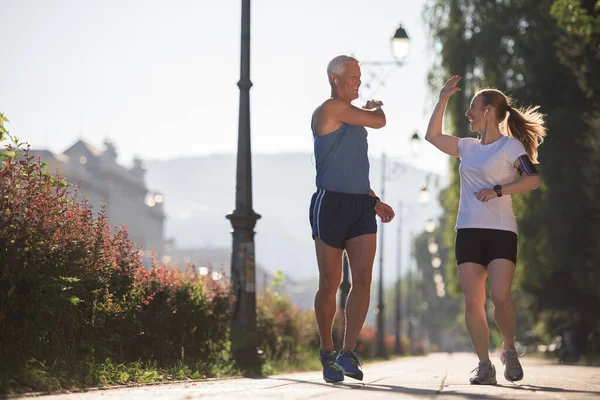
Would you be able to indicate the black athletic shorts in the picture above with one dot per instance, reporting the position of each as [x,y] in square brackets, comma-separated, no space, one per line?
[481,246]
[336,217]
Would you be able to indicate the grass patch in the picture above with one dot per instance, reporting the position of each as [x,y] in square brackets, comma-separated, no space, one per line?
[305,361]
[37,376]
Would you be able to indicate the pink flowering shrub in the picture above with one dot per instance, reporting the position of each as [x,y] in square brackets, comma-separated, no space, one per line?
[72,290]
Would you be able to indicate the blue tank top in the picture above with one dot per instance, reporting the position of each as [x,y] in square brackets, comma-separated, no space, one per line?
[341,160]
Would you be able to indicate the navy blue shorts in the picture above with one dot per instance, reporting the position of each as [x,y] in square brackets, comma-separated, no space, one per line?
[482,246]
[336,217]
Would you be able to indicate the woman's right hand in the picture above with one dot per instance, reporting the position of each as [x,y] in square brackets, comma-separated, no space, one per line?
[446,143]
[450,88]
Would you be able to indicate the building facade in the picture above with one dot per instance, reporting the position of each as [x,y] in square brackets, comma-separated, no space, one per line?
[103,181]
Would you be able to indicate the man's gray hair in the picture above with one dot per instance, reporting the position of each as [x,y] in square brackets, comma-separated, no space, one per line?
[335,65]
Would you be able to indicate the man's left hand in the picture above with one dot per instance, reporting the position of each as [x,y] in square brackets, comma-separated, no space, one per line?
[385,212]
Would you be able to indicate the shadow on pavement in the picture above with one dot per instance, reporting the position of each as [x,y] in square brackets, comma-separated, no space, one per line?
[535,388]
[455,390]
[557,363]
[356,385]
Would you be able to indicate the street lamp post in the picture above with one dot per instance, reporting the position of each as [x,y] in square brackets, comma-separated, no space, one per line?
[243,219]
[398,317]
[400,47]
[344,289]
[380,350]
[380,338]
[409,289]
[423,200]
[345,285]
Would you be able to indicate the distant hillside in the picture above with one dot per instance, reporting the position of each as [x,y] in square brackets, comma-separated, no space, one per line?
[200,191]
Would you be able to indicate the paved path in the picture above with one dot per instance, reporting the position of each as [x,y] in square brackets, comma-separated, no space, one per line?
[436,376]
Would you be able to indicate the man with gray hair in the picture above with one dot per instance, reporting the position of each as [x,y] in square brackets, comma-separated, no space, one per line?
[342,211]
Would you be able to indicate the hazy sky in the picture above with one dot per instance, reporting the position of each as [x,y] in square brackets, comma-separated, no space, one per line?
[159,77]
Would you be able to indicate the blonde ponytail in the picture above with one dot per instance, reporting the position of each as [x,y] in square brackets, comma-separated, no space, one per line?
[524,124]
[527,125]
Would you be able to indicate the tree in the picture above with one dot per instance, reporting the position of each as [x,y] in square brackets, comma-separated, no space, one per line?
[526,49]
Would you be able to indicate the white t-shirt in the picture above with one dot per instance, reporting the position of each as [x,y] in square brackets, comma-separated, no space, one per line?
[484,166]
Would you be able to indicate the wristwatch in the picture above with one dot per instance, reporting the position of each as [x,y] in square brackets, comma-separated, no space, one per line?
[498,190]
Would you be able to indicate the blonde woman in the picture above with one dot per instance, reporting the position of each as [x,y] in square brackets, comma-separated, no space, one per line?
[486,229]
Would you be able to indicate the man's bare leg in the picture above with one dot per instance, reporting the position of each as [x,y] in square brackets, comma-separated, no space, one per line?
[329,260]
[361,254]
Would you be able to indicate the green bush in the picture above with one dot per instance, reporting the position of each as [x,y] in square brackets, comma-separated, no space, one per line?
[288,336]
[182,318]
[75,299]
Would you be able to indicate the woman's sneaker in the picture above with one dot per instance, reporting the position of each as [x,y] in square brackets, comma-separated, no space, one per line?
[330,372]
[349,364]
[513,371]
[485,374]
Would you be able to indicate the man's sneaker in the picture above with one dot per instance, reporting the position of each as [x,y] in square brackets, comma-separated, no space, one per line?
[348,363]
[485,374]
[513,371]
[330,372]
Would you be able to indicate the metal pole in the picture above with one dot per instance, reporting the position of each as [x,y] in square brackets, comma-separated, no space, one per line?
[380,340]
[398,320]
[409,291]
[243,219]
[344,289]
[345,285]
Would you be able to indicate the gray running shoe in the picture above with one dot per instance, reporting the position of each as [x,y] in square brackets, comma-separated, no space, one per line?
[485,374]
[513,371]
